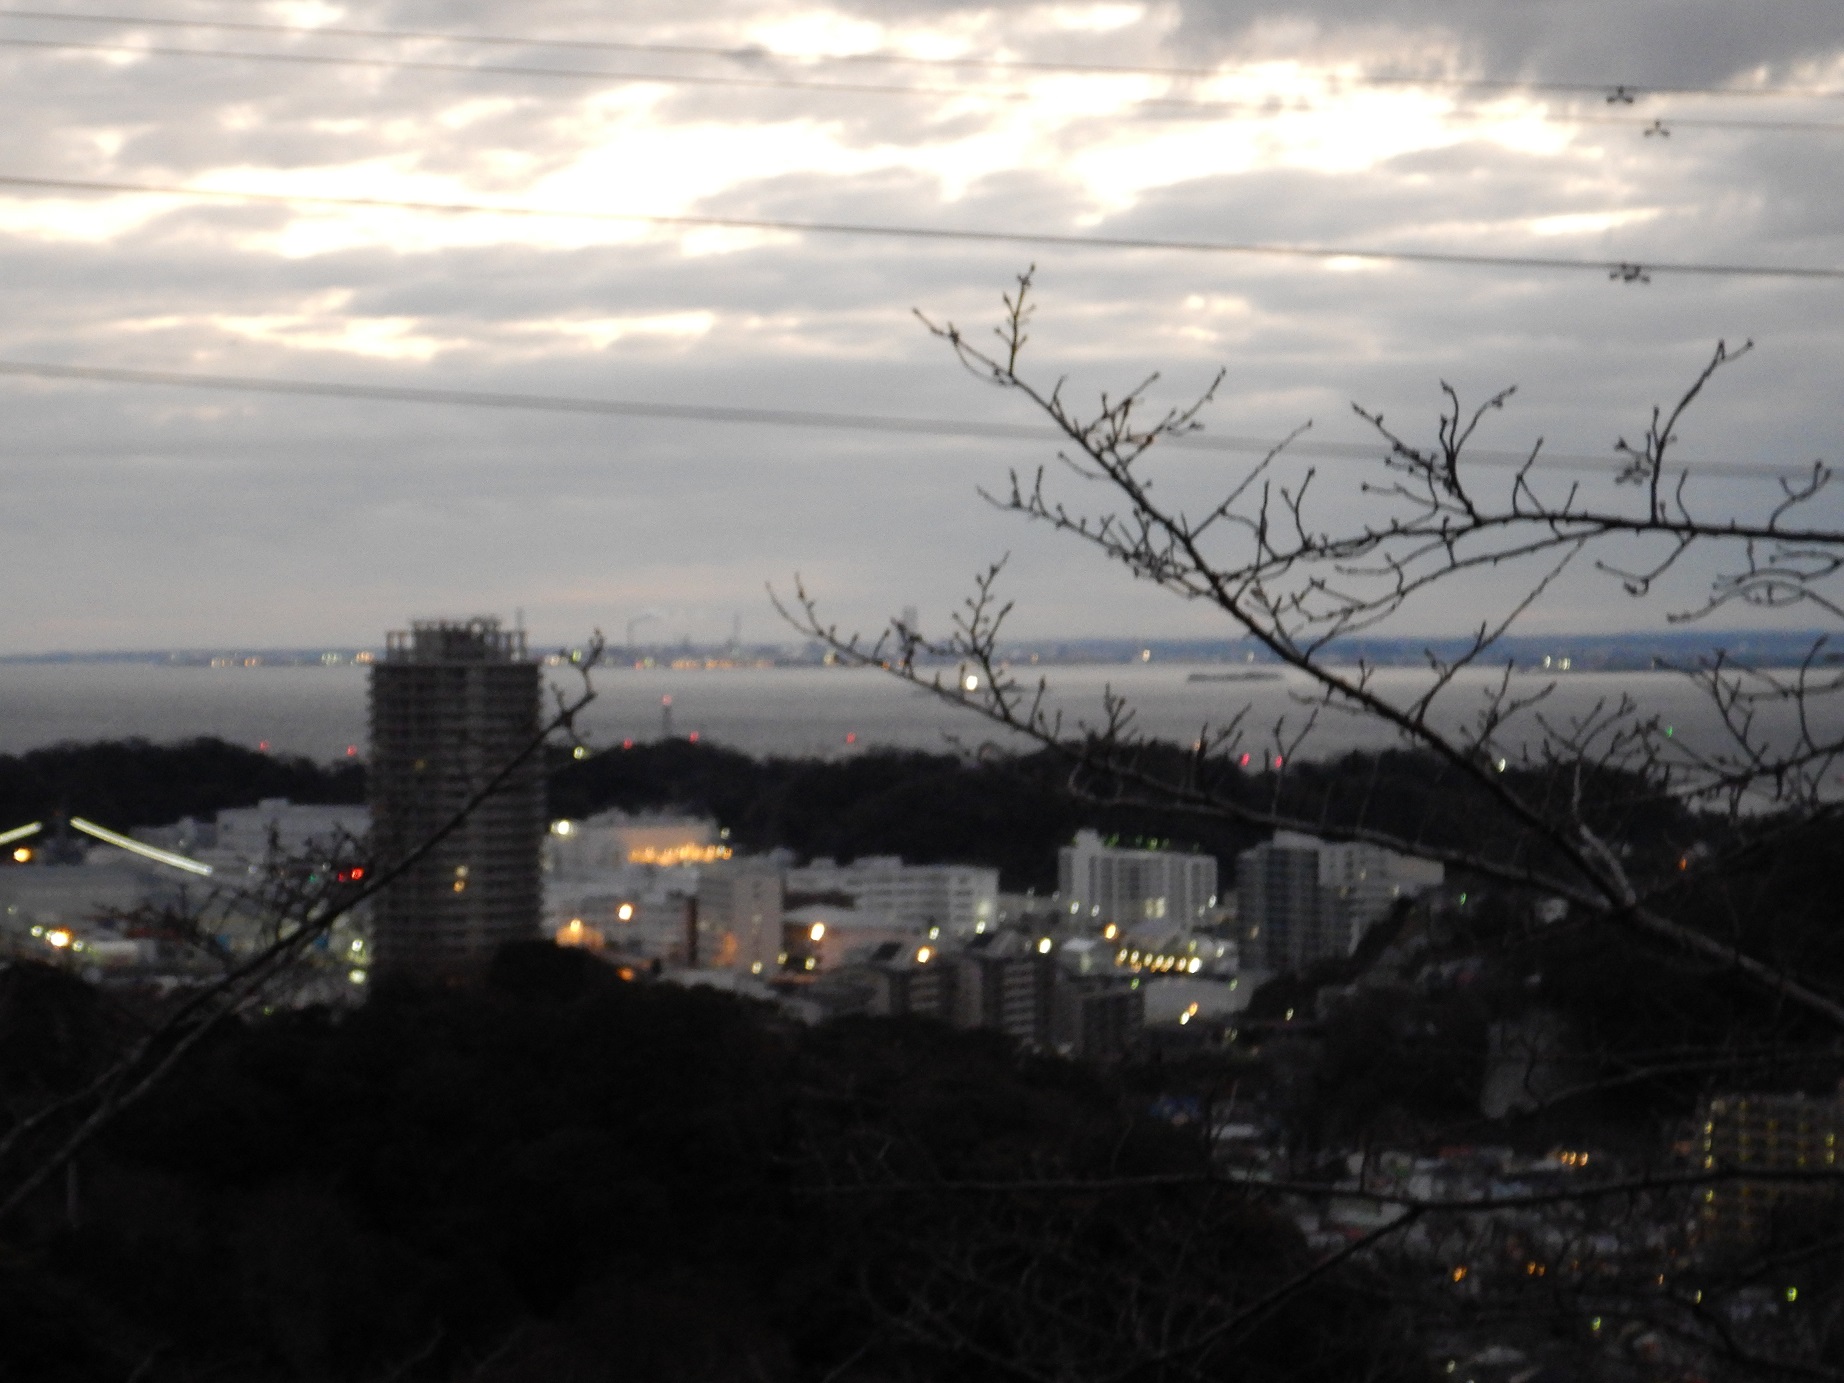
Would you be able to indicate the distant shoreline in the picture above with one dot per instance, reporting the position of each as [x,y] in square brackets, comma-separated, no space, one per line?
[1626,652]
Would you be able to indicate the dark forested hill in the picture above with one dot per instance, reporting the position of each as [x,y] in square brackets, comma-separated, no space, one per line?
[128,783]
[560,1176]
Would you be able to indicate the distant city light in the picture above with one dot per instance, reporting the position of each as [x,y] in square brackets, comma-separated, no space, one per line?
[970,682]
[23,855]
[562,828]
[1110,931]
[817,931]
[59,938]
[922,955]
[580,752]
[1044,945]
[625,913]
[678,854]
[576,933]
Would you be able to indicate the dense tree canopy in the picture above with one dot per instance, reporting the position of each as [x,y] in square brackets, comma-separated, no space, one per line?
[560,1175]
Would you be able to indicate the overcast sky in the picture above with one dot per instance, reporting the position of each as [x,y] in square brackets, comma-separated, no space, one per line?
[158,517]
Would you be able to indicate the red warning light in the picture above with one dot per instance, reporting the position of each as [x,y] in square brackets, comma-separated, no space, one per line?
[693,737]
[1245,760]
[263,745]
[1278,761]
[352,751]
[851,737]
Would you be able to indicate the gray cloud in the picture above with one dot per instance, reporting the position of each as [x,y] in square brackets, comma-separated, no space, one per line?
[165,517]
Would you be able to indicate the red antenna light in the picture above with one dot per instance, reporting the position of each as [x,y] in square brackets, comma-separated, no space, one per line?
[851,737]
[693,737]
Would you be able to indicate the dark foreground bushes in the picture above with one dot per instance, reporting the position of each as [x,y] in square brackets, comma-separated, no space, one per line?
[560,1176]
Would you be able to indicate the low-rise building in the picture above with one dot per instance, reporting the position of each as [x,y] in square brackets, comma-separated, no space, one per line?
[1772,1132]
[1096,1019]
[1301,900]
[957,898]
[615,839]
[1003,983]
[740,904]
[1127,886]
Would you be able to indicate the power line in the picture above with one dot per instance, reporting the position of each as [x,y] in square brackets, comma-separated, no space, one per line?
[782,417]
[1149,104]
[1627,271]
[507,70]
[1620,92]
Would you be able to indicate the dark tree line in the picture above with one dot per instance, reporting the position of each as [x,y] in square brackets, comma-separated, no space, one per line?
[559,1175]
[129,783]
[1008,813]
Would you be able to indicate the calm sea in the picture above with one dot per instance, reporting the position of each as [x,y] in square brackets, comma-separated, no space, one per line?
[320,711]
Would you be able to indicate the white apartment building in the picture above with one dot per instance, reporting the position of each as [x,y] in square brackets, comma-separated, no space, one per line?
[614,840]
[1302,899]
[960,899]
[1128,887]
[295,828]
[739,915]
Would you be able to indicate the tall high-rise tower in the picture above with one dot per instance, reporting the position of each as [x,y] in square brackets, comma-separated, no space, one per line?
[452,703]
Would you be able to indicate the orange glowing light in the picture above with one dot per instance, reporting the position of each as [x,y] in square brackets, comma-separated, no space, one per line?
[576,933]
[678,854]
